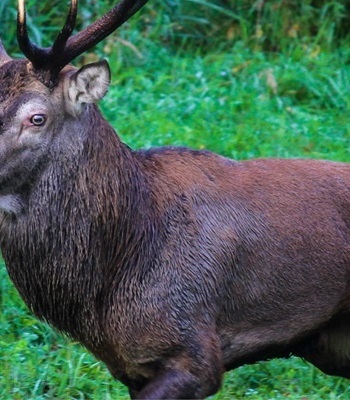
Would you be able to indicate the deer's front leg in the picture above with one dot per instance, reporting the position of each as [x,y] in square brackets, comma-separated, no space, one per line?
[186,377]
[179,385]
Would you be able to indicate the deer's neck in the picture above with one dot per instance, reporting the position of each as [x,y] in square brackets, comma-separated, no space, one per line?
[87,220]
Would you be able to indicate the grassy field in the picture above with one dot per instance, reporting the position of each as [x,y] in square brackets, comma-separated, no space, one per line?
[238,100]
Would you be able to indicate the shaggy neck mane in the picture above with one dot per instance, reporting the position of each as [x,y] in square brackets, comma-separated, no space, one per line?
[87,219]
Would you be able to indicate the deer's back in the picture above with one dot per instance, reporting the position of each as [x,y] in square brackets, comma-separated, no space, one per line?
[260,224]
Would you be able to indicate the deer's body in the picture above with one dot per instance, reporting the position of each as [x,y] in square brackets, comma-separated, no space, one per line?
[147,256]
[170,265]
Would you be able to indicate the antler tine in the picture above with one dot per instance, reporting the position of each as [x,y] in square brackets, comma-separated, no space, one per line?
[36,55]
[65,33]
[100,29]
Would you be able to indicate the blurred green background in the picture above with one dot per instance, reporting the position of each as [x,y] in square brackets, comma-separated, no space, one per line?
[242,78]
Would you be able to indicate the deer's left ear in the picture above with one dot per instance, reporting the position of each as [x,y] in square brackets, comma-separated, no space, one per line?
[89,84]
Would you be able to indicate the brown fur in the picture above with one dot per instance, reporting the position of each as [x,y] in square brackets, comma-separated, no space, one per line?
[170,265]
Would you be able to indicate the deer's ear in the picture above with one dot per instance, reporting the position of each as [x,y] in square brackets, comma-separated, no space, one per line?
[89,84]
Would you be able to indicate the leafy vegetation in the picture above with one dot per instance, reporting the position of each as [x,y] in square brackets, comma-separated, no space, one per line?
[270,25]
[241,78]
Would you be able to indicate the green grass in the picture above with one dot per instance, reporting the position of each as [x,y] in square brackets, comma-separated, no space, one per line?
[241,104]
[234,98]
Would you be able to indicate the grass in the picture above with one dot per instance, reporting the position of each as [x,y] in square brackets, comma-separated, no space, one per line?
[238,100]
[241,104]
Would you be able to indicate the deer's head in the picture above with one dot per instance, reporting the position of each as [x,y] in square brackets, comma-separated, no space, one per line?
[42,96]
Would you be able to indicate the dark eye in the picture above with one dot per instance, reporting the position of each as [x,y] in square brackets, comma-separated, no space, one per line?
[38,119]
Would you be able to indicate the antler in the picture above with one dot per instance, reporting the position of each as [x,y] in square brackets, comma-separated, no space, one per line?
[49,61]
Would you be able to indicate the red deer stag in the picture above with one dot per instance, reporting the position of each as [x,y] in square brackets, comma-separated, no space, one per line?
[170,265]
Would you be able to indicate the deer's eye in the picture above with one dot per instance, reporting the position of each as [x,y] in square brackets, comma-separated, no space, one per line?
[38,119]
